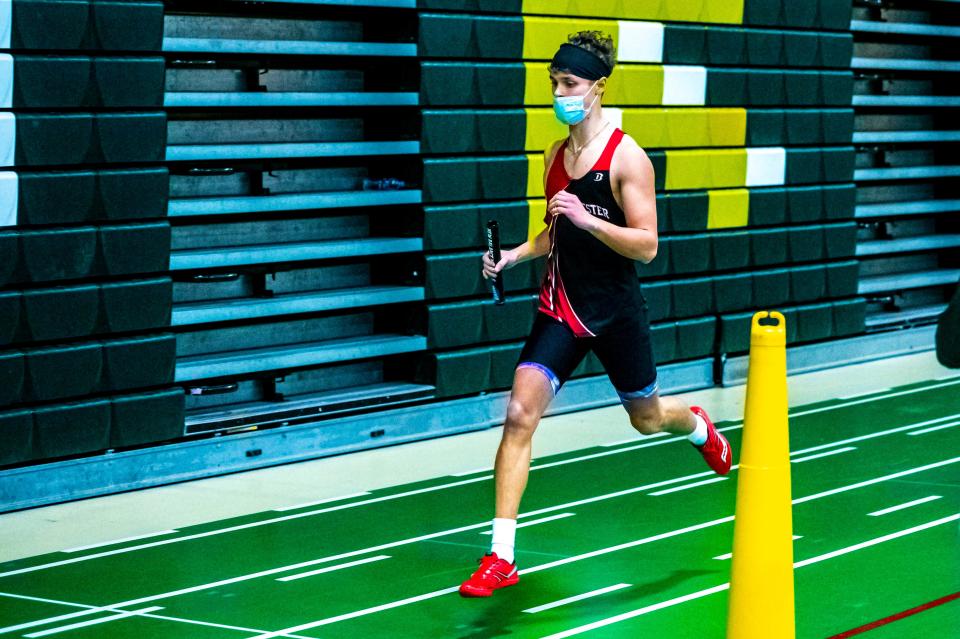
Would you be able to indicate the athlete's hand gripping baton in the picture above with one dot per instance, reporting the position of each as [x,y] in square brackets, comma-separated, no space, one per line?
[493,248]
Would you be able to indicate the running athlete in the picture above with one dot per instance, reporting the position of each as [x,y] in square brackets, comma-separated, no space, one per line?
[601,216]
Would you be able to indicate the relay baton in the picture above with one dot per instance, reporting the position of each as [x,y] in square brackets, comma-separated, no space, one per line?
[493,248]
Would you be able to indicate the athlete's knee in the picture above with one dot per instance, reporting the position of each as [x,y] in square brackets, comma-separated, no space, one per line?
[521,418]
[647,420]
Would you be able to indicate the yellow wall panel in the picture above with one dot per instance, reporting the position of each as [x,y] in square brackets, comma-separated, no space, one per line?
[537,209]
[706,168]
[728,127]
[687,127]
[537,90]
[535,175]
[543,36]
[646,126]
[635,84]
[716,11]
[728,208]
[543,129]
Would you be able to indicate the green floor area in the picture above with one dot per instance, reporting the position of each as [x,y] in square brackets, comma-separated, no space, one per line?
[603,519]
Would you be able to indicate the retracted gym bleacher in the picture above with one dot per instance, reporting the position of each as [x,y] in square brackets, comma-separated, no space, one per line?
[236,234]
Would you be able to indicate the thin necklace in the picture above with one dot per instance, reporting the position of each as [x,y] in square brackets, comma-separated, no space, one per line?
[577,152]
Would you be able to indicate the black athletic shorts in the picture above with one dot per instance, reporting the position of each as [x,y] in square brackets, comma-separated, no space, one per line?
[625,352]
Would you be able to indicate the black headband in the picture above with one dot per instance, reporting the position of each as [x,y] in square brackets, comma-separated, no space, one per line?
[580,62]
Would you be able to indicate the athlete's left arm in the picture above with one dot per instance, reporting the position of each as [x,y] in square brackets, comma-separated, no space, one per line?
[638,240]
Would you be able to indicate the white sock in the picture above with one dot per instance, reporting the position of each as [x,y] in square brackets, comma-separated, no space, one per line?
[504,533]
[699,434]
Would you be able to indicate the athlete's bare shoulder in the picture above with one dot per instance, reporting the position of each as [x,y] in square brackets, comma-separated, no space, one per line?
[630,159]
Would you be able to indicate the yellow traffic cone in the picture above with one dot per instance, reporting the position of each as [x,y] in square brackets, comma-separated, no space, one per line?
[761,580]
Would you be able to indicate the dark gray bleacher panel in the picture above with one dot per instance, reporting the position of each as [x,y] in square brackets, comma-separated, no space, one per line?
[908,244]
[289,304]
[399,4]
[897,137]
[896,64]
[292,252]
[904,28]
[904,281]
[911,207]
[288,47]
[287,99]
[898,101]
[906,173]
[297,356]
[100,25]
[290,202]
[189,152]
[84,81]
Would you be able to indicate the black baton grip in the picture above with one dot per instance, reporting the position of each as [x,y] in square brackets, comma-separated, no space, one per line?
[493,248]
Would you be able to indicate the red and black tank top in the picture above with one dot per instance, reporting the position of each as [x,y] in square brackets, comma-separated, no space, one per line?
[587,285]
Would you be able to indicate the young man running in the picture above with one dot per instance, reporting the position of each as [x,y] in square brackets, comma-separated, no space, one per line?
[601,216]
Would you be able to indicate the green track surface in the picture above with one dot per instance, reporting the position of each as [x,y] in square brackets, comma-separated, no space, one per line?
[671,539]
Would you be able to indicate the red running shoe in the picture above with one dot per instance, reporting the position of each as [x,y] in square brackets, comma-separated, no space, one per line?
[716,450]
[493,573]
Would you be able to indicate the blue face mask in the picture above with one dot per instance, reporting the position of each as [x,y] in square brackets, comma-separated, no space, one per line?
[570,110]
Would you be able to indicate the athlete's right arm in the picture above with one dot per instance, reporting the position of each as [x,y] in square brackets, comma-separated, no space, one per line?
[531,249]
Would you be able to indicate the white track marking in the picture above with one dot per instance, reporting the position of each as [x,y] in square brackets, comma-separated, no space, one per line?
[875,541]
[686,486]
[876,480]
[535,522]
[933,428]
[915,502]
[94,609]
[634,440]
[365,502]
[320,501]
[93,622]
[485,469]
[709,591]
[859,395]
[828,453]
[552,564]
[120,541]
[320,571]
[879,433]
[586,595]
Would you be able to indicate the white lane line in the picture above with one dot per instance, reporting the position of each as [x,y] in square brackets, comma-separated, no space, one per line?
[485,469]
[535,522]
[686,486]
[93,622]
[439,593]
[484,524]
[876,480]
[93,609]
[729,555]
[220,531]
[418,491]
[844,398]
[320,571]
[602,551]
[879,433]
[875,541]
[586,595]
[893,509]
[634,440]
[867,400]
[318,502]
[828,453]
[715,589]
[933,428]
[121,541]
[638,612]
